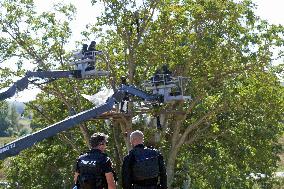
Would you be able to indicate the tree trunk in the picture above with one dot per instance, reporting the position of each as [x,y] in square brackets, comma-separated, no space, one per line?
[117,141]
[126,128]
[118,149]
[171,161]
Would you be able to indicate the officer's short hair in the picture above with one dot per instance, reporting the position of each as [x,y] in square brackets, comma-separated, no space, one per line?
[97,139]
[137,135]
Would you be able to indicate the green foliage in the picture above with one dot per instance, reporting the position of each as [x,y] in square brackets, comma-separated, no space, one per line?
[4,121]
[41,37]
[9,120]
[48,165]
[229,130]
[14,117]
[226,51]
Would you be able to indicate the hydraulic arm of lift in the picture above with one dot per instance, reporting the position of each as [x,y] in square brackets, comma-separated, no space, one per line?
[85,65]
[14,147]
[23,83]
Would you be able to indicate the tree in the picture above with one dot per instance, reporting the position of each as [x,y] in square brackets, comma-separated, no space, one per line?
[8,119]
[14,118]
[225,49]
[231,126]
[4,121]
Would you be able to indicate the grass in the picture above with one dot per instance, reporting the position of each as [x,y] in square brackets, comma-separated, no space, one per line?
[5,140]
[25,122]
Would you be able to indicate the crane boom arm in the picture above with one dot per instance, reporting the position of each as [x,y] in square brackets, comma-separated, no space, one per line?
[14,147]
[24,82]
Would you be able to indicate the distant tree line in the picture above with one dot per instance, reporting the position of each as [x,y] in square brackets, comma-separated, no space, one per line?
[9,121]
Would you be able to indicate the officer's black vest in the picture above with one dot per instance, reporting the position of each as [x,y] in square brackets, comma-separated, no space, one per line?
[91,169]
[145,163]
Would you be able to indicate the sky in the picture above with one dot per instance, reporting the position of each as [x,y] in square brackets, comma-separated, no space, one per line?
[86,14]
[270,10]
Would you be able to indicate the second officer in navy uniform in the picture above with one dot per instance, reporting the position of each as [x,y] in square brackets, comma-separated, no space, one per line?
[94,169]
[143,168]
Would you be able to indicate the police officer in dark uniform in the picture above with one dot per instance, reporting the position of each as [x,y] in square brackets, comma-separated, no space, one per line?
[143,168]
[94,169]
